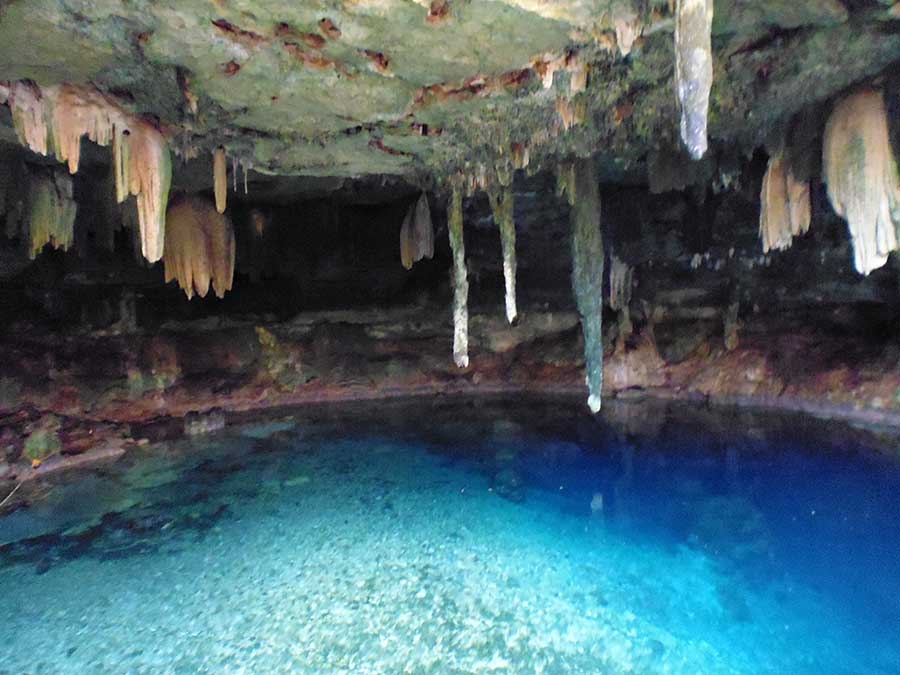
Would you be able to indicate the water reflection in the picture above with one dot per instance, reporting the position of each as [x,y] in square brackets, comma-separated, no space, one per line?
[779,505]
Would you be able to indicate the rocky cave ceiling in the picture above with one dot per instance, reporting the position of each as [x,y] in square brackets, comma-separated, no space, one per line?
[416,88]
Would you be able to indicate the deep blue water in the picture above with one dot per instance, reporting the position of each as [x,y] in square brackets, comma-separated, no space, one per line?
[442,536]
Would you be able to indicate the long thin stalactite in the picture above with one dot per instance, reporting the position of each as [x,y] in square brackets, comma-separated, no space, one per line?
[460,280]
[587,272]
[502,202]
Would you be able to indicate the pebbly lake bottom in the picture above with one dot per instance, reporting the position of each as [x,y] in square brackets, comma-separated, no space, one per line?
[466,536]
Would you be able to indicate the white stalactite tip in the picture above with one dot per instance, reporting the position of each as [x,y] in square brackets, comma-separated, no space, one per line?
[694,71]
[220,179]
[862,177]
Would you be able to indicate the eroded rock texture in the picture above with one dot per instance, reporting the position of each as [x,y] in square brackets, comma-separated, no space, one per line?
[707,126]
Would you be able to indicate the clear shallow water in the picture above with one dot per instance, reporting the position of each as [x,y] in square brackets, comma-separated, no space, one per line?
[442,537]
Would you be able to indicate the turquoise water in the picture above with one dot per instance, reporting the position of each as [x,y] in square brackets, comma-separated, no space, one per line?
[489,537]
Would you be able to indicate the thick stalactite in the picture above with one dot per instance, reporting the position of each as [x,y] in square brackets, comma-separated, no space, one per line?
[417,234]
[694,70]
[587,272]
[149,178]
[785,206]
[460,280]
[862,177]
[200,247]
[502,206]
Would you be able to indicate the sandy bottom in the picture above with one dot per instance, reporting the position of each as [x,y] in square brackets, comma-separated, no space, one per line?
[375,556]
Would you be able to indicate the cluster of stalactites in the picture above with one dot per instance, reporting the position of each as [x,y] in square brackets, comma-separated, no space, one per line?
[502,206]
[54,120]
[51,212]
[785,200]
[862,177]
[587,271]
[460,280]
[570,108]
[220,176]
[200,247]
[417,234]
[694,70]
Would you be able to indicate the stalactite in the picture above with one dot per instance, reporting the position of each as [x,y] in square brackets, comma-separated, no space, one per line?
[862,176]
[255,248]
[417,233]
[628,28]
[731,325]
[621,278]
[565,181]
[587,273]
[578,74]
[502,206]
[199,248]
[150,176]
[520,155]
[566,112]
[247,166]
[694,70]
[76,113]
[460,280]
[234,174]
[140,153]
[785,206]
[27,105]
[259,223]
[220,179]
[51,212]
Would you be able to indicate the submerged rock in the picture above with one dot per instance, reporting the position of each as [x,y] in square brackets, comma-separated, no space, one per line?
[198,423]
[509,484]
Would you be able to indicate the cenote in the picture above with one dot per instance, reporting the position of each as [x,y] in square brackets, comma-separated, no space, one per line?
[454,536]
[450,336]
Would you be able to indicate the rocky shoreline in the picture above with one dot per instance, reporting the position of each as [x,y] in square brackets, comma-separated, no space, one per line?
[63,409]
